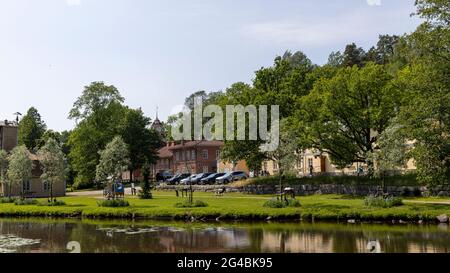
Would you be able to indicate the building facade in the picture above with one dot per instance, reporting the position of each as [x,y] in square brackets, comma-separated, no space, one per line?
[195,156]
[313,162]
[9,132]
[35,187]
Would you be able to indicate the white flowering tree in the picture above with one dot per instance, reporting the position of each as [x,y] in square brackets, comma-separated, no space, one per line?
[114,161]
[3,169]
[20,167]
[52,163]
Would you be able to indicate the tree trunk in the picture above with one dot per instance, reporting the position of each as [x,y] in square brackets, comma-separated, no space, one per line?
[131,176]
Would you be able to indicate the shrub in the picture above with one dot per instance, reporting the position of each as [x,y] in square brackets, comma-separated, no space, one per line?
[5,200]
[113,203]
[55,203]
[25,202]
[187,204]
[278,204]
[382,202]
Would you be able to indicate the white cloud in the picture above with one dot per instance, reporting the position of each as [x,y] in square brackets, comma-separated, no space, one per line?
[323,31]
[374,2]
[73,2]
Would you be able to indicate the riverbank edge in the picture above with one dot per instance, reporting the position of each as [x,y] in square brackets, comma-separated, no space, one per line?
[192,215]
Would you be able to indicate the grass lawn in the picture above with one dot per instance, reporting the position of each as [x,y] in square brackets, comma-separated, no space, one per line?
[235,206]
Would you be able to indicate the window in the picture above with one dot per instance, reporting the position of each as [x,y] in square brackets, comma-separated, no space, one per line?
[310,162]
[205,169]
[46,186]
[205,154]
[187,155]
[217,154]
[193,155]
[177,156]
[27,186]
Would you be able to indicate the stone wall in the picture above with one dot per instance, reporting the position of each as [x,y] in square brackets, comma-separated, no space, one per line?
[326,189]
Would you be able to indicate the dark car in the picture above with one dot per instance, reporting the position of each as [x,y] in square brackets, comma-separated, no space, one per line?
[177,178]
[163,176]
[211,179]
[199,177]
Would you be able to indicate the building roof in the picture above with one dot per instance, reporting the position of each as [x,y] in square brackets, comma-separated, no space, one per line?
[8,123]
[198,143]
[165,152]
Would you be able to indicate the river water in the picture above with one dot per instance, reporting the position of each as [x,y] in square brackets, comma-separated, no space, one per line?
[89,236]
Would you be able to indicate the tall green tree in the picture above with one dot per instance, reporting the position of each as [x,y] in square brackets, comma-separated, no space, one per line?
[99,112]
[142,142]
[20,167]
[31,129]
[52,163]
[344,115]
[425,79]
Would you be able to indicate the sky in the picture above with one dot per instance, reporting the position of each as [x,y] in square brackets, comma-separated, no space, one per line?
[159,52]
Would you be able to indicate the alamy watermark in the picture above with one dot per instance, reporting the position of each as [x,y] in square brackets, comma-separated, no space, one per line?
[237,123]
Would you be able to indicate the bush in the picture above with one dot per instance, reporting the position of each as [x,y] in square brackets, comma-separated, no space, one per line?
[5,200]
[55,203]
[25,202]
[278,204]
[382,202]
[187,204]
[113,203]
[82,184]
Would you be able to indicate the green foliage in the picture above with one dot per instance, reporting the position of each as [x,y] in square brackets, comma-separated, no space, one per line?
[278,204]
[145,192]
[99,113]
[31,129]
[342,115]
[26,202]
[382,202]
[142,142]
[113,160]
[187,204]
[20,167]
[115,203]
[52,162]
[54,203]
[3,167]
[6,200]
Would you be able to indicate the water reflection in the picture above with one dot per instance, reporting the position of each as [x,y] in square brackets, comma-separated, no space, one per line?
[161,237]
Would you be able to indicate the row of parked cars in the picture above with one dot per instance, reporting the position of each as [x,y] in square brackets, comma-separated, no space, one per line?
[206,178]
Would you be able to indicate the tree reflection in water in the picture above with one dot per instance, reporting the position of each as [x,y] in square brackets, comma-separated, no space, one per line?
[164,237]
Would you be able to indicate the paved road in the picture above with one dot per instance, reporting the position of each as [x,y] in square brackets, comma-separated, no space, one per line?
[96,192]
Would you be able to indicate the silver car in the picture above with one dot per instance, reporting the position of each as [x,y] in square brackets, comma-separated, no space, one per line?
[230,177]
[187,180]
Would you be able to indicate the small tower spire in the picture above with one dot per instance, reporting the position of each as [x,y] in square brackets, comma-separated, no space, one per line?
[157,112]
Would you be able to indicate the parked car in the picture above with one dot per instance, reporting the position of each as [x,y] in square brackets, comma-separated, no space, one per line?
[187,180]
[211,179]
[239,176]
[176,179]
[163,176]
[199,177]
[230,177]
